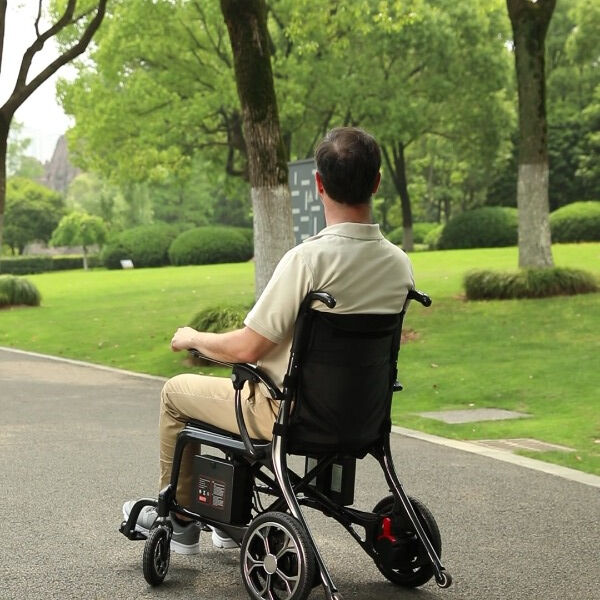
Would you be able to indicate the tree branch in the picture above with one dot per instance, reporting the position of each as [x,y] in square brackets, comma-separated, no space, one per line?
[22,91]
[2,28]
[37,20]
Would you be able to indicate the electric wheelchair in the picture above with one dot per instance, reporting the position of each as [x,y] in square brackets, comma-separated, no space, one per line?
[334,408]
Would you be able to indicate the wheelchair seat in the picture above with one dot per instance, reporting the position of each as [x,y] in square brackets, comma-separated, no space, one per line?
[334,407]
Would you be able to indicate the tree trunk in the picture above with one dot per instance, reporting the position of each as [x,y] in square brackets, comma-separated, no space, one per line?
[273,234]
[85,259]
[530,21]
[4,127]
[397,166]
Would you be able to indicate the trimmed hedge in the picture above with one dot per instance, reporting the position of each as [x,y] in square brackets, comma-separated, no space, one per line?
[420,231]
[528,283]
[210,245]
[27,265]
[17,291]
[145,245]
[577,222]
[488,227]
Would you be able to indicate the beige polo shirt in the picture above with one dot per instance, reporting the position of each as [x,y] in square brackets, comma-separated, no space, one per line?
[353,262]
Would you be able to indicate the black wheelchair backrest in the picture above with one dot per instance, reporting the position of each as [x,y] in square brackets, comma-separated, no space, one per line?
[342,383]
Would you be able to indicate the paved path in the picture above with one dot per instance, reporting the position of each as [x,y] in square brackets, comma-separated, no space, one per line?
[76,441]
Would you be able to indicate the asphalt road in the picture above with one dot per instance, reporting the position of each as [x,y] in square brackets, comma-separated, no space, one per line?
[76,441]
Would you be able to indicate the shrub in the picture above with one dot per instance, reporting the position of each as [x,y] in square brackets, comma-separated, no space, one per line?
[145,245]
[67,262]
[488,227]
[209,245]
[19,291]
[528,283]
[420,231]
[577,222]
[219,318]
[432,239]
[24,265]
[4,300]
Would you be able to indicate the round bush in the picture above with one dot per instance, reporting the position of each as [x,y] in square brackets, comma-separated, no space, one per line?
[432,239]
[145,245]
[528,283]
[488,227]
[420,231]
[209,245]
[219,318]
[396,235]
[18,291]
[577,222]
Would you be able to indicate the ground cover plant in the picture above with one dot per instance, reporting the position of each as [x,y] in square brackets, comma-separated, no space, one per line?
[534,355]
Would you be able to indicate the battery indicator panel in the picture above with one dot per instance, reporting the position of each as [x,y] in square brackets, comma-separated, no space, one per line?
[211,492]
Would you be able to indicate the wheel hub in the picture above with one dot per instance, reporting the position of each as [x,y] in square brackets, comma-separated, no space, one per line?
[270,564]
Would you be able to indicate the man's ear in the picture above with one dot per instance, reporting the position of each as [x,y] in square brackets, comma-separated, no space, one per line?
[377,182]
[319,181]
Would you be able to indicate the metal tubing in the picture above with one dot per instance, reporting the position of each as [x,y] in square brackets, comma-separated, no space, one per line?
[385,459]
[280,469]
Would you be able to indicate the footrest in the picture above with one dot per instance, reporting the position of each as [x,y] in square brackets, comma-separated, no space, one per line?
[131,534]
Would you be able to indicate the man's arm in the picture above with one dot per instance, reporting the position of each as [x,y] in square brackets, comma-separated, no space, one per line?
[241,345]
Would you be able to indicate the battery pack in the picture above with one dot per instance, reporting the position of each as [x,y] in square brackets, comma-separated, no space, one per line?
[335,481]
[222,490]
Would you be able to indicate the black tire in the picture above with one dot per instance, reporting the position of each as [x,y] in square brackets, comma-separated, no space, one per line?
[157,555]
[276,559]
[417,570]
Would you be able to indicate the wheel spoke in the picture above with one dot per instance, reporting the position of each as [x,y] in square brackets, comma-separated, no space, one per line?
[287,579]
[264,534]
[252,563]
[286,545]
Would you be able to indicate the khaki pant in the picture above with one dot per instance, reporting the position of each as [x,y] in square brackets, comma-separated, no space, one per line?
[208,399]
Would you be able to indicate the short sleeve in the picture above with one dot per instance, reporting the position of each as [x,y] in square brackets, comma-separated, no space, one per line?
[274,314]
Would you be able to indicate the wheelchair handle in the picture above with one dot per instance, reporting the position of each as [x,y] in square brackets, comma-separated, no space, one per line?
[420,297]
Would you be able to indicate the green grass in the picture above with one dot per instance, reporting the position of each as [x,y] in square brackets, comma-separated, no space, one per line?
[536,356]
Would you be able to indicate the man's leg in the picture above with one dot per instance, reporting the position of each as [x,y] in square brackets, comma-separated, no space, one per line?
[208,399]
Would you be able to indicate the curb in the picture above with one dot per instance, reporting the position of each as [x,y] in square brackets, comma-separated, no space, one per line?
[504,456]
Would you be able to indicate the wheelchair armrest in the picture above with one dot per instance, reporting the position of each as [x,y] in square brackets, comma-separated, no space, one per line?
[240,373]
[247,372]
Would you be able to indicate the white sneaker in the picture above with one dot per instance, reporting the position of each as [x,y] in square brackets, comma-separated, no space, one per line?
[221,540]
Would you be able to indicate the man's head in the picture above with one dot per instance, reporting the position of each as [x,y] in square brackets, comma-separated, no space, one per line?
[348,161]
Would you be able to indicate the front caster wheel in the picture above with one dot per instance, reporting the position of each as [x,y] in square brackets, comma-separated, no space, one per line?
[157,554]
[444,580]
[277,560]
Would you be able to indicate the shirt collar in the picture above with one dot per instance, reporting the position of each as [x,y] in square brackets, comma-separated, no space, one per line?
[358,231]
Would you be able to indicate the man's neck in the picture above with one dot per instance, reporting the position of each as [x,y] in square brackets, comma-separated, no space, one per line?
[336,212]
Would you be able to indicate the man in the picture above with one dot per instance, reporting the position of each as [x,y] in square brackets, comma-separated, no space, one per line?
[350,259]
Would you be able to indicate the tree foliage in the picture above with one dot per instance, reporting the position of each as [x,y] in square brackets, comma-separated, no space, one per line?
[32,213]
[80,229]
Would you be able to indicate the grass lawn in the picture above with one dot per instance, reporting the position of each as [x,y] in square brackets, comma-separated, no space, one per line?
[535,356]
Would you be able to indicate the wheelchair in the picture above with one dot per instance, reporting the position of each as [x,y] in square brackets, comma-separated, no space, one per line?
[334,408]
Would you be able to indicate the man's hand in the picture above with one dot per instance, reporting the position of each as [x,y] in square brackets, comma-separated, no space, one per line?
[241,345]
[183,339]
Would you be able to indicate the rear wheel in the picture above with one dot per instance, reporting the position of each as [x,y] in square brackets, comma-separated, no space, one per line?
[409,566]
[277,561]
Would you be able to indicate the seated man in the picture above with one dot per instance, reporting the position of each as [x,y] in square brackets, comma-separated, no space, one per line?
[350,259]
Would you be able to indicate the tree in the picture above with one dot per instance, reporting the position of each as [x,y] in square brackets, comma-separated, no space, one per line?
[530,20]
[79,18]
[247,25]
[80,229]
[32,213]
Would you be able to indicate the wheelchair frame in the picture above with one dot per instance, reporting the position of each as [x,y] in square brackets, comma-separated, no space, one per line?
[290,490]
